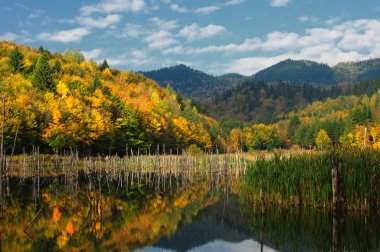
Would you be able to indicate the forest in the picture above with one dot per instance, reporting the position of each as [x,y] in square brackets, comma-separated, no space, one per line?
[61,101]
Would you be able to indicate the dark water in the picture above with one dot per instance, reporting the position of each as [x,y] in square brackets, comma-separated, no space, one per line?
[155,213]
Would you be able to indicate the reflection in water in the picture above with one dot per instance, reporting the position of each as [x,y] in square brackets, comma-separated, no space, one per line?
[164,211]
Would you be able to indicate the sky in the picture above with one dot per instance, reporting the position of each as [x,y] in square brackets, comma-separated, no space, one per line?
[217,36]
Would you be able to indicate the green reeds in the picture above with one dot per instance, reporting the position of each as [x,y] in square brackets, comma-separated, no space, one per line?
[306,179]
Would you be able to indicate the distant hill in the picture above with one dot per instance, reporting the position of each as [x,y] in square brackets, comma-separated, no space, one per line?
[191,82]
[303,71]
[357,71]
[261,102]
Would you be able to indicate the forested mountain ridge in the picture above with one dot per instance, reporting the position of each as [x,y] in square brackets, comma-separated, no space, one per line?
[357,71]
[62,101]
[300,71]
[303,71]
[260,102]
[191,82]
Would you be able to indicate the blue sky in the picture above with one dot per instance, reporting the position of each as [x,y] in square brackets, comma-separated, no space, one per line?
[217,37]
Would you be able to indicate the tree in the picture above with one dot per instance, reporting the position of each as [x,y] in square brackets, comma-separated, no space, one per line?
[235,140]
[322,140]
[103,65]
[265,137]
[293,126]
[15,60]
[42,78]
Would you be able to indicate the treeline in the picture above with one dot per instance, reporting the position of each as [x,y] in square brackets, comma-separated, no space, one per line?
[261,102]
[348,122]
[60,101]
[189,82]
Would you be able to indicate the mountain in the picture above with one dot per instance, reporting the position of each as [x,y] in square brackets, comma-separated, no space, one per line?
[301,71]
[261,102]
[357,71]
[191,82]
[59,101]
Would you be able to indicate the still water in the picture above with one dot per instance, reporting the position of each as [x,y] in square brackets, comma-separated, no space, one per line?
[150,212]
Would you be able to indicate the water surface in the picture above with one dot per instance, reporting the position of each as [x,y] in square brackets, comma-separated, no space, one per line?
[152,212]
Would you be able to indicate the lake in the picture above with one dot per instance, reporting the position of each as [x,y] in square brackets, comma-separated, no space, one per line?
[147,211]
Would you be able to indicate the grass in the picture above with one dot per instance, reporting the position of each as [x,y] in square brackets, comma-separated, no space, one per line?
[305,179]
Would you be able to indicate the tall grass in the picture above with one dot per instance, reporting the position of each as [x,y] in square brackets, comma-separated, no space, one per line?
[306,179]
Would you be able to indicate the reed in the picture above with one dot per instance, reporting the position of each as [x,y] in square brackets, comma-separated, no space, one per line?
[306,179]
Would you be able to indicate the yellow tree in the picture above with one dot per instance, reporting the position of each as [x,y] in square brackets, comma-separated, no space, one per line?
[235,140]
[323,140]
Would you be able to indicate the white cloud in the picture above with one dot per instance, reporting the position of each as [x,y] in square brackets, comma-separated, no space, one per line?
[235,2]
[303,19]
[279,3]
[207,9]
[113,6]
[130,31]
[160,39]
[134,58]
[9,36]
[248,45]
[347,41]
[179,9]
[164,24]
[280,40]
[99,23]
[195,32]
[93,54]
[66,36]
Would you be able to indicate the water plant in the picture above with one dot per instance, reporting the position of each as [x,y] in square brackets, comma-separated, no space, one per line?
[306,179]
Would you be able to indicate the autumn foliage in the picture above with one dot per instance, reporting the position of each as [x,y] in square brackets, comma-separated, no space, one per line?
[62,101]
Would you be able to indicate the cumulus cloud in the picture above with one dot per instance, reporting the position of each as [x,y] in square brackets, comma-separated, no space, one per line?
[65,36]
[207,9]
[179,9]
[235,2]
[99,23]
[9,36]
[347,41]
[195,32]
[113,6]
[93,54]
[164,24]
[160,39]
[279,3]
[134,58]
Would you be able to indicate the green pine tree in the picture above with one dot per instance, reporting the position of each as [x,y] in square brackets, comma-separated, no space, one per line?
[42,74]
[15,60]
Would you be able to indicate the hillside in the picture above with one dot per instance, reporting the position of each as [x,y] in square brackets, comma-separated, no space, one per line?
[190,82]
[261,102]
[357,71]
[300,71]
[62,101]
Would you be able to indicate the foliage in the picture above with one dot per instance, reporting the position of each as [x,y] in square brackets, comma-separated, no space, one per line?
[322,140]
[61,101]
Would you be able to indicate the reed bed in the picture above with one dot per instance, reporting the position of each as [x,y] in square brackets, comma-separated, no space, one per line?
[306,179]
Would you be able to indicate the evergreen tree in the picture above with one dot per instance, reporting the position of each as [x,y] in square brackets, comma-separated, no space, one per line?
[42,78]
[15,60]
[293,126]
[103,65]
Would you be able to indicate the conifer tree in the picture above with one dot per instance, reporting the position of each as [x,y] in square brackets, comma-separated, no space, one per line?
[15,60]
[42,78]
